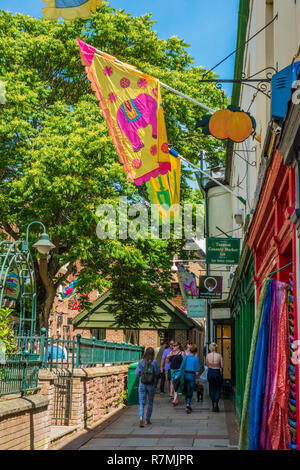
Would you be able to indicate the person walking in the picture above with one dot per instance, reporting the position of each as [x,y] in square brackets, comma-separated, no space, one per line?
[165,366]
[187,346]
[214,362]
[190,367]
[158,357]
[148,372]
[175,359]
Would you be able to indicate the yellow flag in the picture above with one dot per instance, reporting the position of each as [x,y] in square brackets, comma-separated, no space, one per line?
[70,9]
[165,190]
[131,104]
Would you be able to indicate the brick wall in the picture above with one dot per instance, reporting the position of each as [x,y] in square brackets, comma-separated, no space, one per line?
[116,336]
[181,336]
[96,392]
[24,423]
[149,338]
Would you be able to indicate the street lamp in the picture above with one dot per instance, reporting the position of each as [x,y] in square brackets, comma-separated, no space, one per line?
[43,245]
[17,267]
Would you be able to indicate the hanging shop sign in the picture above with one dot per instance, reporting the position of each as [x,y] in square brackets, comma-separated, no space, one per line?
[196,308]
[222,250]
[210,287]
[230,123]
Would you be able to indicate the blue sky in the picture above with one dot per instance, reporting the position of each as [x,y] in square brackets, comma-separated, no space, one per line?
[209,26]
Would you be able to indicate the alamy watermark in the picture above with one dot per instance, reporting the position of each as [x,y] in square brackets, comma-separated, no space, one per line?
[2,352]
[296,93]
[141,221]
[295,356]
[2,92]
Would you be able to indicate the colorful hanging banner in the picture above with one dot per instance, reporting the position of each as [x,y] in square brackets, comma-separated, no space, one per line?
[187,283]
[164,191]
[70,9]
[132,106]
[13,287]
[69,290]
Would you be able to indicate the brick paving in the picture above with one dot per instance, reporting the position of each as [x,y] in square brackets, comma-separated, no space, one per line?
[171,428]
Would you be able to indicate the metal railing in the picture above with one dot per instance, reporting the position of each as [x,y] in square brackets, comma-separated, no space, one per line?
[91,351]
[19,373]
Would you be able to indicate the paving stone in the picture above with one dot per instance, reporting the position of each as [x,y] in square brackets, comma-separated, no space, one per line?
[211,443]
[171,428]
[175,442]
[100,443]
[137,442]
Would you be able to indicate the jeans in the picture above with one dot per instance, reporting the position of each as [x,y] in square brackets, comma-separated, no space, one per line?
[190,382]
[145,390]
[215,381]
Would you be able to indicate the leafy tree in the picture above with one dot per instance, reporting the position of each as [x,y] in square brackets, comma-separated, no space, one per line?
[57,161]
[6,331]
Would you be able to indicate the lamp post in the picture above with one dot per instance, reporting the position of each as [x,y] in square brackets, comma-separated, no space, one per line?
[17,276]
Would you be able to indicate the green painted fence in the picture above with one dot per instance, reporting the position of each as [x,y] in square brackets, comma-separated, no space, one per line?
[19,373]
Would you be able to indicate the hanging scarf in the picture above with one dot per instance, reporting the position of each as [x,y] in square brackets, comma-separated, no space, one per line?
[265,443]
[278,420]
[244,427]
[258,381]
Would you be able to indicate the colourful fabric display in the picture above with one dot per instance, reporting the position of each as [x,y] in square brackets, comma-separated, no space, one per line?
[188,284]
[13,287]
[69,290]
[292,410]
[164,191]
[278,420]
[70,9]
[244,426]
[259,372]
[265,443]
[132,106]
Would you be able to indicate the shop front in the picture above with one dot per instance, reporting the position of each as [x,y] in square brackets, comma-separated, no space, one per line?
[242,301]
[272,376]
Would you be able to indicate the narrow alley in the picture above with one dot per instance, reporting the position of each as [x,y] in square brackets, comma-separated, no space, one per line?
[171,429]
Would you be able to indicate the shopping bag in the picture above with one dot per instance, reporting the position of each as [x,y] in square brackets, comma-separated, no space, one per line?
[203,376]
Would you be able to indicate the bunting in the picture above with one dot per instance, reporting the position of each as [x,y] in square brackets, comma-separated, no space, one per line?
[70,9]
[132,106]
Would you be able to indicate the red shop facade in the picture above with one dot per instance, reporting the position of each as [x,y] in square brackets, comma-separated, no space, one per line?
[272,236]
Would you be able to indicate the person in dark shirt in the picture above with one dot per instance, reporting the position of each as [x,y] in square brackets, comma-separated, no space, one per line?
[175,359]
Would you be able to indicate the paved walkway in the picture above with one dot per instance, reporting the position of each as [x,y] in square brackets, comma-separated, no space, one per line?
[171,428]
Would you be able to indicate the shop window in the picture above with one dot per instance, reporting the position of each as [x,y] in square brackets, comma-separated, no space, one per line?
[224,347]
[132,336]
[98,333]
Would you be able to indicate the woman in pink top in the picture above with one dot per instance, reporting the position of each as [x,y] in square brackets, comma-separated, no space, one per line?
[214,362]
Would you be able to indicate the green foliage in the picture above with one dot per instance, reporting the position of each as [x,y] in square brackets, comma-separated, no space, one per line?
[57,161]
[6,332]
[122,398]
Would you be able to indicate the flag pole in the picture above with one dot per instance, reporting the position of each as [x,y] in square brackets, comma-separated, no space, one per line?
[177,155]
[167,87]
